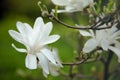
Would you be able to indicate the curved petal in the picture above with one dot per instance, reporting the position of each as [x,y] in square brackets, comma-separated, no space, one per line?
[92,33]
[86,2]
[117,44]
[101,35]
[39,24]
[105,44]
[62,11]
[49,39]
[65,11]
[28,26]
[115,35]
[70,8]
[89,1]
[116,51]
[19,49]
[53,69]
[90,45]
[45,74]
[24,39]
[113,29]
[23,29]
[43,61]
[60,2]
[49,55]
[84,33]
[55,54]
[15,35]
[48,28]
[42,35]
[31,61]
[39,29]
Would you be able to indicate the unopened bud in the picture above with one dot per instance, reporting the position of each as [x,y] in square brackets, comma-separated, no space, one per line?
[45,13]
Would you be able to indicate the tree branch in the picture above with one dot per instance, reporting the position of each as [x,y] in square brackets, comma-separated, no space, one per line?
[106,65]
[93,27]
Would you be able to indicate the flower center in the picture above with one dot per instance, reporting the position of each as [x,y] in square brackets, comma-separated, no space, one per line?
[34,50]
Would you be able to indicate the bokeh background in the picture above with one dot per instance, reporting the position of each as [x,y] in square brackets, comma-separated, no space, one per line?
[12,63]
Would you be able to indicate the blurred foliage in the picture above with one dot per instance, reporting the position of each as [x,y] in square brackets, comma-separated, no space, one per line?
[12,63]
[118,4]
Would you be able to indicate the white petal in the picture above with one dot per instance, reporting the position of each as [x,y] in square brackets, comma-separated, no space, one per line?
[100,34]
[90,45]
[43,36]
[53,69]
[49,39]
[39,30]
[105,44]
[118,37]
[31,61]
[90,1]
[60,2]
[84,33]
[25,30]
[55,54]
[39,24]
[86,2]
[70,7]
[92,33]
[59,11]
[19,49]
[43,61]
[48,28]
[45,74]
[65,11]
[18,37]
[48,54]
[15,35]
[28,26]
[113,29]
[117,44]
[115,35]
[116,51]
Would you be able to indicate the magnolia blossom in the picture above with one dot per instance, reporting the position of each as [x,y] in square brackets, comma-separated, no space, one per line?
[35,40]
[49,66]
[106,39]
[72,5]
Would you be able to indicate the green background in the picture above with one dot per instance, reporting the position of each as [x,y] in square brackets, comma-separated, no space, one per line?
[12,63]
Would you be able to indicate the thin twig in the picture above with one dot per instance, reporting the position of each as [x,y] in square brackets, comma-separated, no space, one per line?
[81,61]
[74,63]
[85,60]
[71,75]
[78,27]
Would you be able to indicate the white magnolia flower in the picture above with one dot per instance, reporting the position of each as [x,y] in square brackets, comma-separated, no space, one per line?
[35,40]
[49,67]
[102,38]
[72,5]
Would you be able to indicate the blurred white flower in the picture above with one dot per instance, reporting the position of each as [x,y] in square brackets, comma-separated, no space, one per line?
[49,67]
[35,40]
[72,5]
[106,39]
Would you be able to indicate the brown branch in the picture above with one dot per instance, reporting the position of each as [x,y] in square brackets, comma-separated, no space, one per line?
[93,27]
[71,75]
[86,60]
[82,61]
[86,76]
[74,63]
[106,65]
[67,25]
